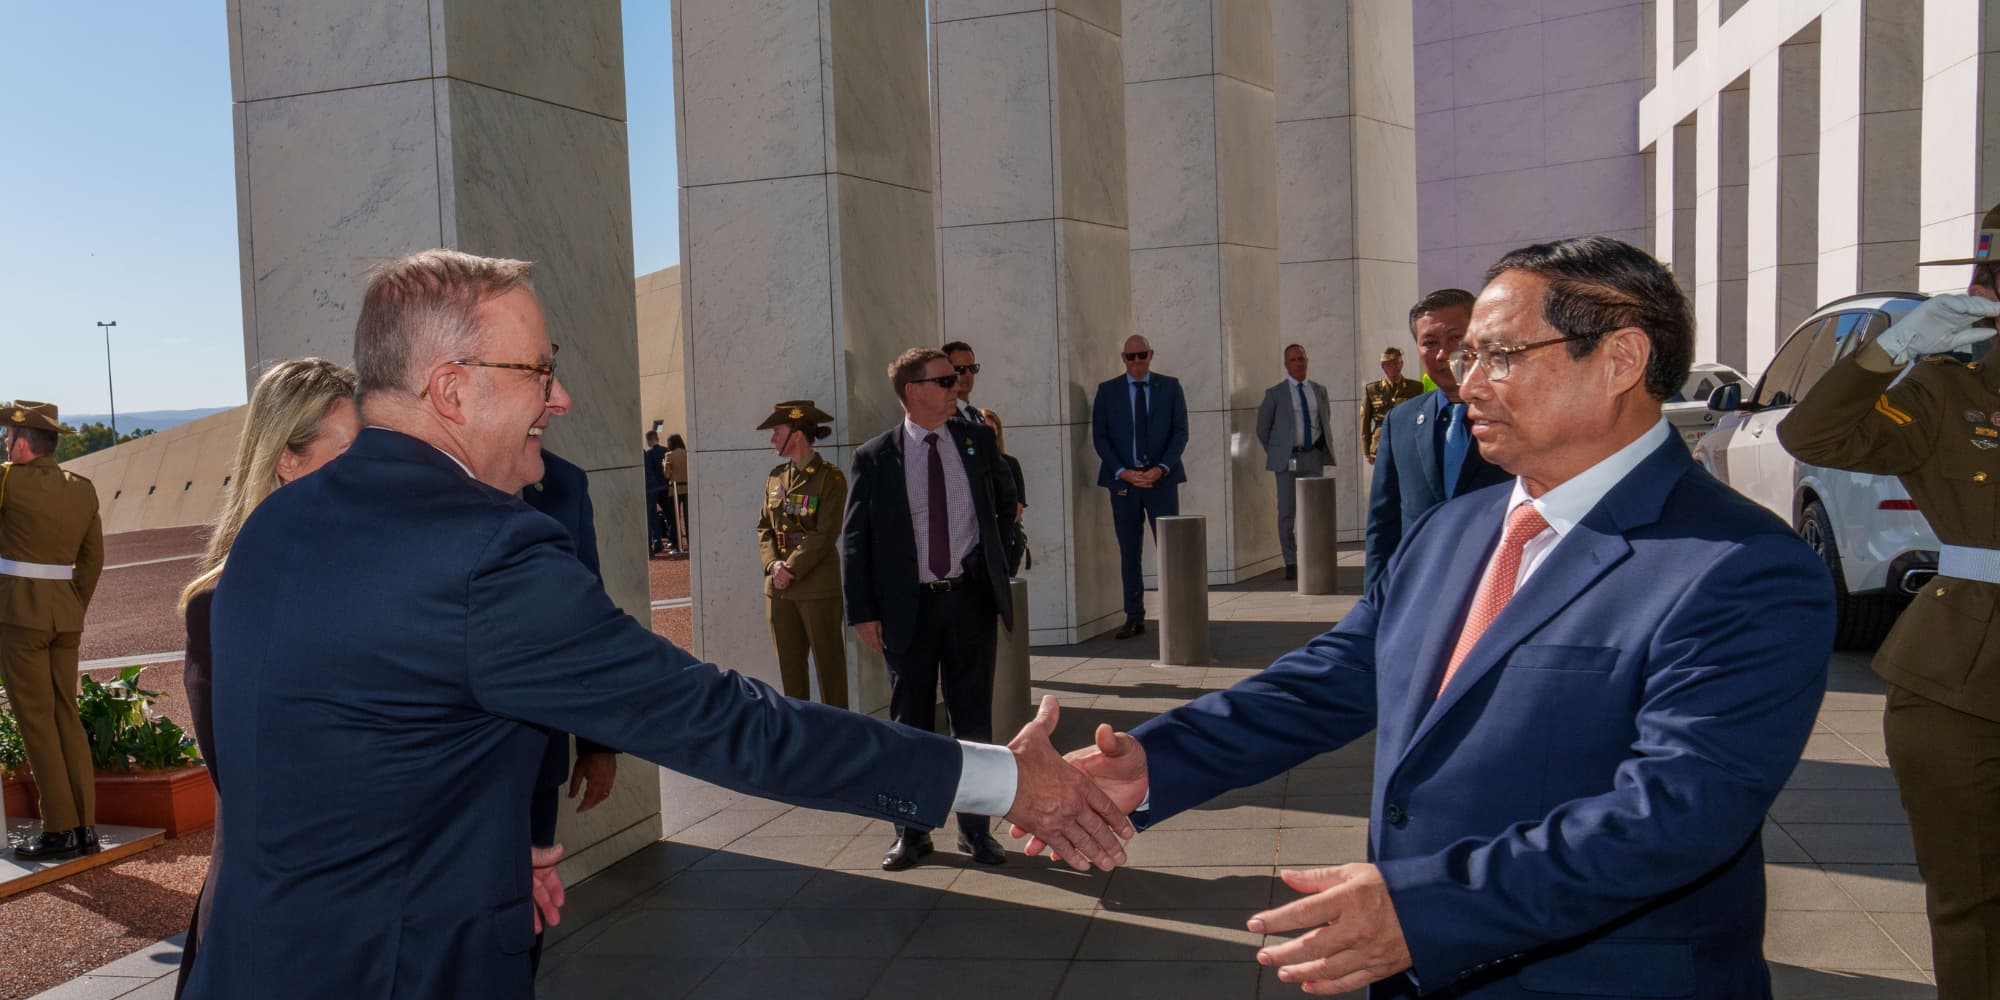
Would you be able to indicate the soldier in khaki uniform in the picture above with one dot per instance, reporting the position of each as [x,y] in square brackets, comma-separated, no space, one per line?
[798,532]
[1938,430]
[1381,396]
[51,553]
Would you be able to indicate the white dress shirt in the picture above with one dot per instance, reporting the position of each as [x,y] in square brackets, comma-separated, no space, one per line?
[961,518]
[1564,506]
[1292,389]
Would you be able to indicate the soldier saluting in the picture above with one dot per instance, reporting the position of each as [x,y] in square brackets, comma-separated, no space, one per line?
[798,533]
[1938,430]
[1381,396]
[51,553]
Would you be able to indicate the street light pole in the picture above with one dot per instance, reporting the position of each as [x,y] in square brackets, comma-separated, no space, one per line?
[109,391]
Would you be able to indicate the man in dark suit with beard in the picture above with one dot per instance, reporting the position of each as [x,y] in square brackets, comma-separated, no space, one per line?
[923,571]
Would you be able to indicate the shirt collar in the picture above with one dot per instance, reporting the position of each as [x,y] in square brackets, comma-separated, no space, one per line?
[1295,381]
[1566,505]
[1129,380]
[916,434]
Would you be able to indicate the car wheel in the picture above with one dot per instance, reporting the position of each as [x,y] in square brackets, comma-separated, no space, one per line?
[1862,620]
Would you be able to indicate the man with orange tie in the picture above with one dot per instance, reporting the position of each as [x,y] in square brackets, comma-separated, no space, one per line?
[1587,685]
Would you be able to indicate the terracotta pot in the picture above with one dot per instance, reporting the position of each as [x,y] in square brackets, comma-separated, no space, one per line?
[180,802]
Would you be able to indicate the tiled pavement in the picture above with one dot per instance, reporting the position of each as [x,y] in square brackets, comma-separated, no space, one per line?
[748,898]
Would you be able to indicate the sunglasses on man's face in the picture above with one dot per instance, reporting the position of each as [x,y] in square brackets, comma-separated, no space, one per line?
[1137,355]
[941,381]
[966,369]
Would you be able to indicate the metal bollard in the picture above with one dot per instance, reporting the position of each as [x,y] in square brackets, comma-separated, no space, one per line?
[1011,708]
[1315,526]
[1183,565]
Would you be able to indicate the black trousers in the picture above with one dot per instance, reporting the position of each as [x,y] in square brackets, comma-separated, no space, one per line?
[953,645]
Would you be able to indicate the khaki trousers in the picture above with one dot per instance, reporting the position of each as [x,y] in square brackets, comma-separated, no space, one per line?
[802,627]
[39,669]
[1947,767]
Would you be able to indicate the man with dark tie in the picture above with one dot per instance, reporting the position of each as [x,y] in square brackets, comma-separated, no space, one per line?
[927,496]
[1140,427]
[1292,427]
[965,365]
[1426,454]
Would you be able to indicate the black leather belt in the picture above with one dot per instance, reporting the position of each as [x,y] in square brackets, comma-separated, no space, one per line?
[945,586]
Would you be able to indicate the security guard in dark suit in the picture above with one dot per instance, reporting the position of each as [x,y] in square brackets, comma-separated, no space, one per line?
[1938,430]
[798,533]
[1382,395]
[51,554]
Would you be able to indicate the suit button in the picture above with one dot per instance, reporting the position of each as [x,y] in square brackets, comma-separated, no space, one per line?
[1395,815]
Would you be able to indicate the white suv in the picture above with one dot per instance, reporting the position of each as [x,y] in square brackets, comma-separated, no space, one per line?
[1874,540]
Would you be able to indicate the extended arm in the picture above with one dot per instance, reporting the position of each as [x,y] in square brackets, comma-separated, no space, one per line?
[1854,419]
[90,560]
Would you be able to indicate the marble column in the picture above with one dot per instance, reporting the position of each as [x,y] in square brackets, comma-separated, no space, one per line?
[1783,249]
[1870,145]
[1721,218]
[1033,264]
[1201,165]
[1961,133]
[367,130]
[1347,204]
[807,264]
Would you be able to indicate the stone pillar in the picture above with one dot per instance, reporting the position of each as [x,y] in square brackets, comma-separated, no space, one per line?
[1870,143]
[1674,194]
[365,131]
[806,264]
[1203,197]
[1961,130]
[1783,248]
[1721,180]
[1034,267]
[1347,204]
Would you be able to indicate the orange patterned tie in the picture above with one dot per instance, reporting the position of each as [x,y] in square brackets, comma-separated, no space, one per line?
[1523,523]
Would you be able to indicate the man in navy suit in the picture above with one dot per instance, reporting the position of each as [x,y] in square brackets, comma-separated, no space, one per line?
[1139,424]
[1426,454]
[1587,685]
[379,811]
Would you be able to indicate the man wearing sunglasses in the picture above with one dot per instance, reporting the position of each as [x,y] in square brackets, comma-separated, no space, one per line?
[1139,425]
[966,366]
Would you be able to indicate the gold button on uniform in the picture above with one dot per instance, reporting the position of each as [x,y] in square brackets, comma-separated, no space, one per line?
[1979,477]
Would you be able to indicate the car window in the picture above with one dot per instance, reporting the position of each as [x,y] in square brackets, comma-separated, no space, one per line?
[1775,388]
[1830,344]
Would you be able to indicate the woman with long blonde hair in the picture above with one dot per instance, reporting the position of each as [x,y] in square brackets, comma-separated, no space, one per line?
[301,416]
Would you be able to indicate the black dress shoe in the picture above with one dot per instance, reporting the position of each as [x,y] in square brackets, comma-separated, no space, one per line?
[909,848]
[1291,572]
[86,840]
[49,847]
[1132,627]
[983,848]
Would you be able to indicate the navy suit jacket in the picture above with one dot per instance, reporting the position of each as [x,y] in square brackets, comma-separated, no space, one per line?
[1409,478]
[1111,428]
[563,494]
[878,546]
[392,642]
[1580,812]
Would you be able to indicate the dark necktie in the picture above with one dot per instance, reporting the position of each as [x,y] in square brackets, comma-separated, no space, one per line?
[1305,421]
[940,526]
[1457,440]
[1142,428]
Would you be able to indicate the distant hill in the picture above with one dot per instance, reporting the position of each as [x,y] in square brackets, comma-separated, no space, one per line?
[151,420]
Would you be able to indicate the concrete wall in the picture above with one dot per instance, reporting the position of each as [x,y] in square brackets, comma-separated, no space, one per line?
[662,353]
[164,480]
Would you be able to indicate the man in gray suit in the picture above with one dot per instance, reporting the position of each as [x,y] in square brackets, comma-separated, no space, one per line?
[1292,427]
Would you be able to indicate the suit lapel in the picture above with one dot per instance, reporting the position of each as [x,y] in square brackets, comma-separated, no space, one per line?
[1445,590]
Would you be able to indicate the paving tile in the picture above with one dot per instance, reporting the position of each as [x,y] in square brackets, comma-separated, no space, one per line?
[1020,932]
[969,979]
[1854,843]
[820,978]
[866,849]
[159,989]
[593,977]
[1157,980]
[1170,935]
[832,934]
[757,852]
[1790,982]
[1826,940]
[148,962]
[1828,805]
[1219,815]
[1912,933]
[1881,888]
[1780,848]
[1350,809]
[1803,887]
[728,825]
[1831,747]
[1245,889]
[1035,883]
[1840,774]
[1322,845]
[815,823]
[728,890]
[1869,722]
[94,987]
[1182,848]
[912,889]
[683,934]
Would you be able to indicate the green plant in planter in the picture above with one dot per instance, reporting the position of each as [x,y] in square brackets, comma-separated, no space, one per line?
[13,752]
[118,720]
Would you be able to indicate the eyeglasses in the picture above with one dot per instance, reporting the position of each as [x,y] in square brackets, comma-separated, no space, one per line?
[966,369]
[547,371]
[1137,355]
[941,381]
[1496,362]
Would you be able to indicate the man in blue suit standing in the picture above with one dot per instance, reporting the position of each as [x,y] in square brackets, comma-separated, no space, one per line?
[380,810]
[1139,424]
[1426,454]
[1587,685]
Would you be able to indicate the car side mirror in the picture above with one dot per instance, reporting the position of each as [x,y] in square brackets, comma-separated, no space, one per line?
[1726,398]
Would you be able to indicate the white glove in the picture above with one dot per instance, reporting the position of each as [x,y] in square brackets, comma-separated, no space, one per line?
[1942,323]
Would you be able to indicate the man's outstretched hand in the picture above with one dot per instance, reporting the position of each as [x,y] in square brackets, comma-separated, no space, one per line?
[1059,805]
[1117,763]
[1353,936]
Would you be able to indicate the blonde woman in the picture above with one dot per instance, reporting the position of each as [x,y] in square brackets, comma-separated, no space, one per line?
[301,417]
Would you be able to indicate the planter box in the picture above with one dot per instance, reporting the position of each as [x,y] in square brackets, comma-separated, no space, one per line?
[179,802]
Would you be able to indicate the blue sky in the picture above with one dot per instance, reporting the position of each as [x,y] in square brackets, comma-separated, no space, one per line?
[117,163]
